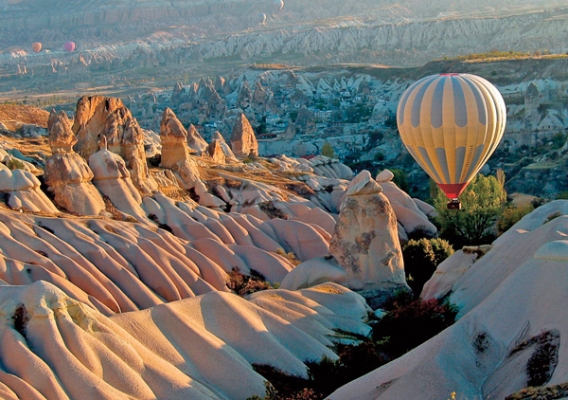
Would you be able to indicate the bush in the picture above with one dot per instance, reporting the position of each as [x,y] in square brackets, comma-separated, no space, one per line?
[242,284]
[510,216]
[421,257]
[400,179]
[410,325]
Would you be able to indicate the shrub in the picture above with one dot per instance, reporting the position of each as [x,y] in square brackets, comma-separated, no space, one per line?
[510,216]
[400,179]
[14,163]
[421,257]
[410,325]
[242,284]
[290,256]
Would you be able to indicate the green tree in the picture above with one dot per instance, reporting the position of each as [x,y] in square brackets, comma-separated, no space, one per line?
[400,179]
[327,150]
[421,257]
[482,202]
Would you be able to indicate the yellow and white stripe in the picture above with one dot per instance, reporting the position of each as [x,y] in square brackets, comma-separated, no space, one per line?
[451,124]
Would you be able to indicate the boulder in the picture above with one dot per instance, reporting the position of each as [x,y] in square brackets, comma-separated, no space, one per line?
[111,178]
[365,241]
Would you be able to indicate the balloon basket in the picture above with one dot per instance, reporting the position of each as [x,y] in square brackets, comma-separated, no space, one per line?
[454,204]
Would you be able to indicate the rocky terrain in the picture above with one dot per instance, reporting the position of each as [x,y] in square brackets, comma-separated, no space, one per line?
[125,45]
[507,342]
[97,250]
[117,270]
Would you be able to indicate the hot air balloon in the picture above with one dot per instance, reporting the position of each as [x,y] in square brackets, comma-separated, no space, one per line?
[278,4]
[451,124]
[69,46]
[36,47]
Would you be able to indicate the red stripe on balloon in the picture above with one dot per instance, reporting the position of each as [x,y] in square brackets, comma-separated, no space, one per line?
[452,190]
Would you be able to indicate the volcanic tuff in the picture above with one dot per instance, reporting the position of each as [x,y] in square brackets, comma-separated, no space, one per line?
[103,305]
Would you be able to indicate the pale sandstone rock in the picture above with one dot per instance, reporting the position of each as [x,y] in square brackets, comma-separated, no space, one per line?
[314,272]
[67,174]
[195,141]
[112,178]
[215,151]
[98,116]
[407,212]
[174,140]
[243,139]
[90,120]
[23,191]
[176,153]
[512,312]
[365,242]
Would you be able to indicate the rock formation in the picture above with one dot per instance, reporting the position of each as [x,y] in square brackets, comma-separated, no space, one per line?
[195,141]
[215,151]
[174,140]
[243,139]
[229,155]
[135,157]
[98,116]
[67,174]
[507,341]
[407,211]
[112,179]
[365,241]
[90,122]
[175,152]
[21,191]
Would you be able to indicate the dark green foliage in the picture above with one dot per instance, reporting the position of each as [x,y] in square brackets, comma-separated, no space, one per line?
[511,215]
[411,324]
[400,179]
[270,209]
[327,150]
[408,323]
[544,360]
[421,257]
[21,319]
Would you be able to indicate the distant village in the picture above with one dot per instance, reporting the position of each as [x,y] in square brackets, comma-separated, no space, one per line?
[298,113]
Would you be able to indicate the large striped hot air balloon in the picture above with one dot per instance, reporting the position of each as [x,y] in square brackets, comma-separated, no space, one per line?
[451,124]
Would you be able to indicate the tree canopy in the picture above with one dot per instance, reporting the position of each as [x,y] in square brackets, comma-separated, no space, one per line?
[482,202]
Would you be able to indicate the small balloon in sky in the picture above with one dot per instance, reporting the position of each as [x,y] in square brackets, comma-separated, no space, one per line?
[36,47]
[69,46]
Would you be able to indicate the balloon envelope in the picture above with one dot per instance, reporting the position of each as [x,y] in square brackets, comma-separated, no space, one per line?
[69,46]
[36,47]
[451,124]
[279,4]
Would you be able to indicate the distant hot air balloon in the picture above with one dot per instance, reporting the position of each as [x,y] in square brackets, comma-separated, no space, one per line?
[36,47]
[451,124]
[69,46]
[279,4]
